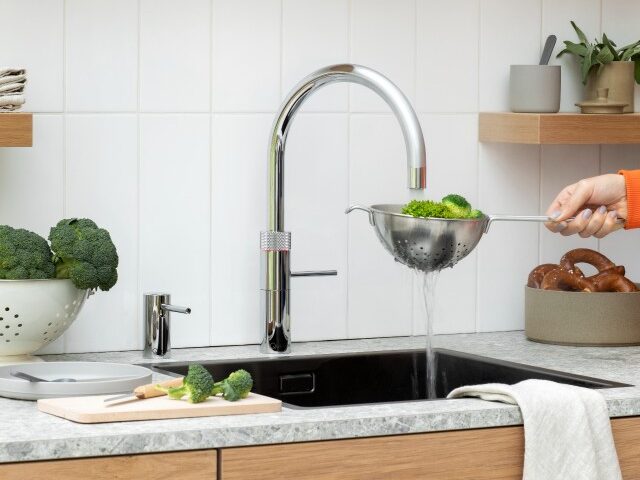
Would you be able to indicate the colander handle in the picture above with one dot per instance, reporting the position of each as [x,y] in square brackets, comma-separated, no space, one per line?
[364,209]
[528,218]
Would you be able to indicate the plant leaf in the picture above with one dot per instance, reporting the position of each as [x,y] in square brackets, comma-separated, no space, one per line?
[636,71]
[587,63]
[575,48]
[581,35]
[630,52]
[611,46]
[605,56]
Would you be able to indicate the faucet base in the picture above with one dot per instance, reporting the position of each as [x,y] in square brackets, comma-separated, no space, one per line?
[275,309]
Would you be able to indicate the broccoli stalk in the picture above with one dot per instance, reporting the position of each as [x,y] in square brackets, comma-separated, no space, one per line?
[24,255]
[235,387]
[198,385]
[84,253]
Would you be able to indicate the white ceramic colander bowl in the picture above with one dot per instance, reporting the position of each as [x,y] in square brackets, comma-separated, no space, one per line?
[34,313]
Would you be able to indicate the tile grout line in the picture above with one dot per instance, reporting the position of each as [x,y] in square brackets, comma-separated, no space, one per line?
[65,142]
[477,303]
[211,174]
[137,315]
[348,248]
[281,51]
[414,314]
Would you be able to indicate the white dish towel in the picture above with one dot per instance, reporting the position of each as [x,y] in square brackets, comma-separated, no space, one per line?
[567,431]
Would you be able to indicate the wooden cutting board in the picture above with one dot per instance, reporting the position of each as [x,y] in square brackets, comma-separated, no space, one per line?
[93,409]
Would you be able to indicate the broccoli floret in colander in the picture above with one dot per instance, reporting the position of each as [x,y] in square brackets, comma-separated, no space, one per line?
[451,206]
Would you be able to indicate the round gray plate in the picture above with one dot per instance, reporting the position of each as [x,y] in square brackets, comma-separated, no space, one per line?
[92,378]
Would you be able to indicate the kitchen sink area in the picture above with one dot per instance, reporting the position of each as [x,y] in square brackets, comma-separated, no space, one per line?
[376,377]
[249,240]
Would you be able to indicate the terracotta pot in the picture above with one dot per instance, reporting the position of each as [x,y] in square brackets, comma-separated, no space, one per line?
[618,78]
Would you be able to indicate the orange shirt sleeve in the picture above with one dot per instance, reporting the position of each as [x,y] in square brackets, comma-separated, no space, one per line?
[632,181]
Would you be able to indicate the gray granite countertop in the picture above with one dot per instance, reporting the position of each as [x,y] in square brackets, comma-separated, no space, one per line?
[28,434]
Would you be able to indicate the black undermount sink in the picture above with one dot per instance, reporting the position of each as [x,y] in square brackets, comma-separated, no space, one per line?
[375,377]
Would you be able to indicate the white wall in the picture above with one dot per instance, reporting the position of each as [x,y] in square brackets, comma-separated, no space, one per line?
[152,117]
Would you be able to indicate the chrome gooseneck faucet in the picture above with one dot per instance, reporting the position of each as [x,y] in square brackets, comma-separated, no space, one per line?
[275,243]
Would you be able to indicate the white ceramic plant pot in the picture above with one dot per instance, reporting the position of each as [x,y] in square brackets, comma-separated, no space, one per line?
[33,313]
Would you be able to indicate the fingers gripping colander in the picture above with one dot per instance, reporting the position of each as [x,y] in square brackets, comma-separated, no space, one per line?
[430,244]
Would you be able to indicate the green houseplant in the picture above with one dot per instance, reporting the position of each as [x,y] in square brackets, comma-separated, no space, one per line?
[605,65]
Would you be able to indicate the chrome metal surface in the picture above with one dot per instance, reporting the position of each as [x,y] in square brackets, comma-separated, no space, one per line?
[276,242]
[315,273]
[157,324]
[431,244]
[176,308]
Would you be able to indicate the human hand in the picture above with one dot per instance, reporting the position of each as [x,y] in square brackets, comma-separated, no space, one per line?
[596,203]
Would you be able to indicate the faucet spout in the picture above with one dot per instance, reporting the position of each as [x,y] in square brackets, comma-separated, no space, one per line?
[397,101]
[275,243]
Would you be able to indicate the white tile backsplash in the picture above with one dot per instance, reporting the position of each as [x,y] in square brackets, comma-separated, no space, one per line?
[41,53]
[384,39]
[380,290]
[509,184]
[246,55]
[175,55]
[239,192]
[314,35]
[175,218]
[317,193]
[153,118]
[101,52]
[452,156]
[509,34]
[34,172]
[101,183]
[446,81]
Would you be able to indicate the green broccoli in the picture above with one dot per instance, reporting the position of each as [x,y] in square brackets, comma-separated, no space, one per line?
[427,208]
[452,206]
[24,255]
[235,387]
[474,213]
[457,204]
[84,253]
[198,385]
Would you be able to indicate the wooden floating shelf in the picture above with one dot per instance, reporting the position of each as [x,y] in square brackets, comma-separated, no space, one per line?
[559,128]
[16,129]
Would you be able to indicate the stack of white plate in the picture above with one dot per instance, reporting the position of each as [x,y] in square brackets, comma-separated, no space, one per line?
[70,379]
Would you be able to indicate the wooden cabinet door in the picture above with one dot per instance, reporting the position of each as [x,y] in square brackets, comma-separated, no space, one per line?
[192,465]
[481,454]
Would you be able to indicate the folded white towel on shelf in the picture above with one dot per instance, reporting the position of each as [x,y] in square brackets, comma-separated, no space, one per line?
[13,79]
[7,71]
[8,88]
[567,431]
[11,102]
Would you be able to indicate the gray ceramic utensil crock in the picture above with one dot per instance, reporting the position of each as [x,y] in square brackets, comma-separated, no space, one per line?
[534,88]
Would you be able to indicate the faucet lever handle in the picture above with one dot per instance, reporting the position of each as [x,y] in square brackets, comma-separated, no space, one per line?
[175,308]
[315,273]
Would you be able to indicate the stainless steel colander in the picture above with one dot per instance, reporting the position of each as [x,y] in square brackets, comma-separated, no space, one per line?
[430,244]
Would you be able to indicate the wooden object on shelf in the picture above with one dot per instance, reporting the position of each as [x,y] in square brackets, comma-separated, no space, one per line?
[16,129]
[559,128]
[190,465]
[480,454]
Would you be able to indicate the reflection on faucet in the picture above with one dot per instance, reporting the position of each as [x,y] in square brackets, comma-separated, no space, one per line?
[275,243]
